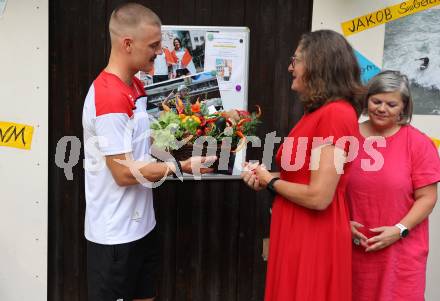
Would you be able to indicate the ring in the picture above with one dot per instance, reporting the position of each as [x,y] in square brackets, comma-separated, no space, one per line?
[357,241]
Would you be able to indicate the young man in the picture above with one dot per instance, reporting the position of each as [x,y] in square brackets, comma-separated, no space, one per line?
[122,247]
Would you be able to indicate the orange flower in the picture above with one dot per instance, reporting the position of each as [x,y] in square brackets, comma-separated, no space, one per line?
[179,105]
[195,108]
[165,107]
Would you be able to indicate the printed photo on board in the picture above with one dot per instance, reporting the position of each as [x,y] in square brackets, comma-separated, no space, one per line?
[412,46]
[183,53]
[224,69]
[200,86]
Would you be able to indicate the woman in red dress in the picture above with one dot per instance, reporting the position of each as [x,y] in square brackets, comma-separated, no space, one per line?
[310,236]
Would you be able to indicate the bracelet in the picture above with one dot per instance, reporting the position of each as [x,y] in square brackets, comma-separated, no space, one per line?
[270,186]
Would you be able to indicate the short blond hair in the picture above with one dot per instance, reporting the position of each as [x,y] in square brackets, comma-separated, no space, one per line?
[129,16]
[389,81]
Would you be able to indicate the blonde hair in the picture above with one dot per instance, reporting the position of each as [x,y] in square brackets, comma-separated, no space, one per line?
[392,81]
[128,17]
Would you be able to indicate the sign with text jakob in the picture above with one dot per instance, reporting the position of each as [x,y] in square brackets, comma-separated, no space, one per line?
[385,15]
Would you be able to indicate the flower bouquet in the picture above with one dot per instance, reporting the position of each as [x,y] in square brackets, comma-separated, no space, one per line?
[185,129]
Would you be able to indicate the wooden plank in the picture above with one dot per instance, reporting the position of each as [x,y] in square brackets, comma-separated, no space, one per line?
[72,48]
[166,218]
[228,12]
[203,15]
[228,253]
[184,244]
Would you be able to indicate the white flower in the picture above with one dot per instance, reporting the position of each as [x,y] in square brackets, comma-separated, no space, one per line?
[228,131]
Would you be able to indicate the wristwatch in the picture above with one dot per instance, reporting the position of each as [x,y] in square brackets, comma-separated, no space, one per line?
[403,230]
[270,186]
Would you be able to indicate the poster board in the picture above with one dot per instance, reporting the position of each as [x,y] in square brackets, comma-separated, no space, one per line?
[221,50]
[397,35]
[24,149]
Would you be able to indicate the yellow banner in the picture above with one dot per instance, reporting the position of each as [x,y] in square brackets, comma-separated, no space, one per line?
[16,135]
[385,15]
[436,142]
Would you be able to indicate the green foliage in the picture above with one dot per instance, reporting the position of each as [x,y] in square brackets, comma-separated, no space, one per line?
[172,127]
[166,131]
[165,138]
[190,125]
[187,110]
[250,128]
[204,109]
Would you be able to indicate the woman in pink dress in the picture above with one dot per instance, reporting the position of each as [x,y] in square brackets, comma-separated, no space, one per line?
[310,238]
[391,190]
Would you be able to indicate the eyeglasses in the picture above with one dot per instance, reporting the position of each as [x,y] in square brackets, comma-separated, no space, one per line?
[293,60]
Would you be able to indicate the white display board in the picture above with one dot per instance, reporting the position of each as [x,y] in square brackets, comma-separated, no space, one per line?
[393,34]
[221,50]
[217,48]
[23,149]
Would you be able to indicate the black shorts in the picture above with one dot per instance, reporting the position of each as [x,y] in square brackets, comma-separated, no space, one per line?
[124,271]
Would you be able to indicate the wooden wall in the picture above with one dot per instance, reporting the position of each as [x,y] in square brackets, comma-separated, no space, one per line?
[211,231]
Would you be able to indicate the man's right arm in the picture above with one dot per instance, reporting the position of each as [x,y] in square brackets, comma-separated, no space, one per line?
[121,167]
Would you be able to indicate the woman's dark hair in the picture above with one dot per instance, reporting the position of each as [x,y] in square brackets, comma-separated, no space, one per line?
[331,70]
[177,39]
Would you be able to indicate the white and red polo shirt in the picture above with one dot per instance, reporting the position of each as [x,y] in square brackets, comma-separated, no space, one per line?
[115,122]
